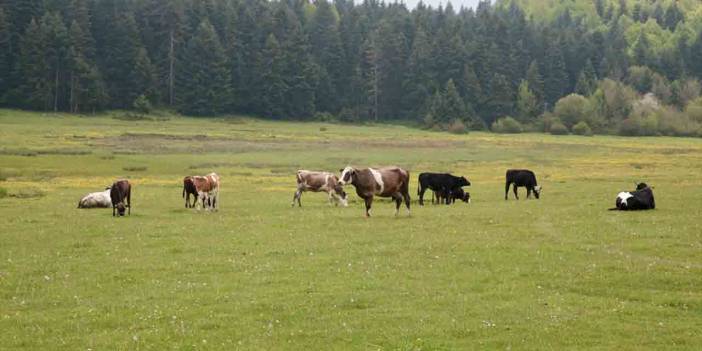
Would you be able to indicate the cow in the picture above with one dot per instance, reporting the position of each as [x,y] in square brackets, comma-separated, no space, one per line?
[207,190]
[441,183]
[99,199]
[639,199]
[390,182]
[317,182]
[524,178]
[189,189]
[120,192]
[456,194]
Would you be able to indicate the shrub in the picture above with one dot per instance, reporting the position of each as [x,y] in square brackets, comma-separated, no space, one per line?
[324,117]
[3,193]
[507,125]
[348,115]
[142,104]
[630,127]
[674,123]
[694,110]
[558,128]
[581,128]
[457,127]
[572,109]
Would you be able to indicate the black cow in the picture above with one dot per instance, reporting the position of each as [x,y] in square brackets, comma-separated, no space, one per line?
[440,183]
[639,199]
[524,178]
[121,196]
[456,194]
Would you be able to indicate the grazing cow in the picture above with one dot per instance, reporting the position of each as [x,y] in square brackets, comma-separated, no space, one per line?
[456,194]
[99,199]
[390,182]
[120,192]
[207,190]
[522,177]
[188,189]
[440,183]
[317,182]
[639,199]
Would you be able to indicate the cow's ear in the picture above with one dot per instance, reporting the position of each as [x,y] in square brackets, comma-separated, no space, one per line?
[341,170]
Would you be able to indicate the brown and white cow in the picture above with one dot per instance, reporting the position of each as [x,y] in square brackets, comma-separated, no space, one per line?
[318,182]
[188,189]
[207,190]
[384,182]
[121,196]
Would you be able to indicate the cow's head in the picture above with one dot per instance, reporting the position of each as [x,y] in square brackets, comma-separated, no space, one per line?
[463,182]
[466,197]
[537,191]
[641,186]
[341,194]
[121,208]
[347,175]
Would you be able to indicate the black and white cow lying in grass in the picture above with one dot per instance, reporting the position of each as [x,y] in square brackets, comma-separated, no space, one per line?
[639,199]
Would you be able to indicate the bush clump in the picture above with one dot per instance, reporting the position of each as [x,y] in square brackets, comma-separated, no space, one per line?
[507,125]
[457,127]
[582,128]
[3,193]
[558,128]
[142,104]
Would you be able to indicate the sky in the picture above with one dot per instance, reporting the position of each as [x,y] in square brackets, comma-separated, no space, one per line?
[435,3]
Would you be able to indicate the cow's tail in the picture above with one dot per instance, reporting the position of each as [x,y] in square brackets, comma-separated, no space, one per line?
[298,177]
[613,209]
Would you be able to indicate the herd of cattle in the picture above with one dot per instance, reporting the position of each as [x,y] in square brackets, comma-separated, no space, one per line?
[392,182]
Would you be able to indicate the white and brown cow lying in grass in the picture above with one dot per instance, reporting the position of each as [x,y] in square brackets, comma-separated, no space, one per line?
[317,182]
[100,199]
[207,190]
[390,182]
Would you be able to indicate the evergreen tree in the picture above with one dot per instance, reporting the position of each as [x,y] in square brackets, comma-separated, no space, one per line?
[36,86]
[527,105]
[206,83]
[500,99]
[274,87]
[555,77]
[327,50]
[5,55]
[536,83]
[587,80]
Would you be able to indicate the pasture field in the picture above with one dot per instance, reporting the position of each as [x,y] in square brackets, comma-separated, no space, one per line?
[557,273]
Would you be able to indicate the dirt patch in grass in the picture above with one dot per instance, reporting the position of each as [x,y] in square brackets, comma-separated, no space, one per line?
[211,165]
[33,153]
[134,168]
[29,193]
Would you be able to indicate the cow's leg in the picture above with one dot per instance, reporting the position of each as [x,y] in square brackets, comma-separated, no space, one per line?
[369,202]
[113,209]
[421,196]
[398,201]
[515,192]
[507,189]
[129,202]
[406,196]
[528,193]
[447,195]
[296,197]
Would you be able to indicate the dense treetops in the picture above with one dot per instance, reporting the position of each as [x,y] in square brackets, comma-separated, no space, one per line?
[605,66]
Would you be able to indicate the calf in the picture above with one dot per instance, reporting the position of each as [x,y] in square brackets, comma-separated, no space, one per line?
[189,189]
[639,199]
[318,182]
[456,194]
[524,178]
[442,183]
[95,200]
[121,192]
[390,182]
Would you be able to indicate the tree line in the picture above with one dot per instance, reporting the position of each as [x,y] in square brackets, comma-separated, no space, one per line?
[606,66]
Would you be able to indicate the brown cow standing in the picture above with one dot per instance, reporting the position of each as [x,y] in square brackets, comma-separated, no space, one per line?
[207,190]
[188,189]
[384,182]
[316,182]
[120,191]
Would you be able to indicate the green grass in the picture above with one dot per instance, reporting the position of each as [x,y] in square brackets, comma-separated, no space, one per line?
[556,273]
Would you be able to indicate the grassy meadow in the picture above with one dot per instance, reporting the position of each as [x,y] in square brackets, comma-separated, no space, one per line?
[551,274]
